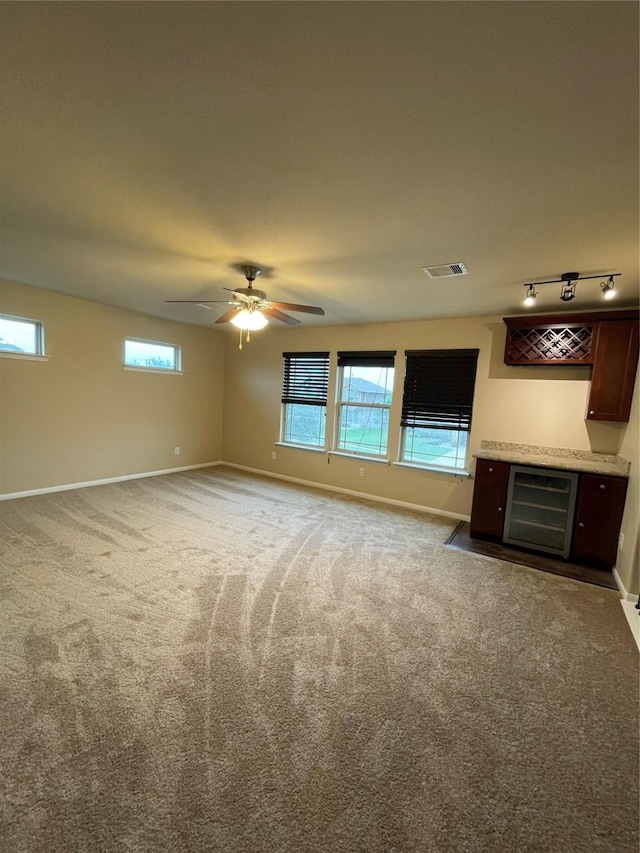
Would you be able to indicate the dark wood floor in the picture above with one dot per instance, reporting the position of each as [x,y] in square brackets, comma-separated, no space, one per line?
[461,539]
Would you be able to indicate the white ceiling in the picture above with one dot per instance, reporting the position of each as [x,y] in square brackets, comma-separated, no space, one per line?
[150,148]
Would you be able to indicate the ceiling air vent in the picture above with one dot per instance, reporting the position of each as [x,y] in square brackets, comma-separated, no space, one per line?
[443,270]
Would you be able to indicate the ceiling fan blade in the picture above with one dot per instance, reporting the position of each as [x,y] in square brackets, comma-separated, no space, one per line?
[201,301]
[229,315]
[289,306]
[278,315]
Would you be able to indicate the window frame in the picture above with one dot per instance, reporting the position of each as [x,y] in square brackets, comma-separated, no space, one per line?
[433,409]
[304,385]
[384,359]
[149,368]
[38,335]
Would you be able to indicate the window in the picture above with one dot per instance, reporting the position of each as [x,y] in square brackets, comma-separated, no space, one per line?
[304,398]
[151,355]
[21,336]
[436,406]
[365,388]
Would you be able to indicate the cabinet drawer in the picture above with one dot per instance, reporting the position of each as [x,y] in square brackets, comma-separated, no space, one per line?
[487,469]
[603,484]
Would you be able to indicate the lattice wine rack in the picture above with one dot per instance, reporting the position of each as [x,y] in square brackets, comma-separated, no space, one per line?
[550,345]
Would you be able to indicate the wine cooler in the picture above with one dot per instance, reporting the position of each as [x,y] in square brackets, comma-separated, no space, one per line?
[540,507]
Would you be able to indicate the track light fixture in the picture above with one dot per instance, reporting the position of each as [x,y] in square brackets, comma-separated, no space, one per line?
[569,282]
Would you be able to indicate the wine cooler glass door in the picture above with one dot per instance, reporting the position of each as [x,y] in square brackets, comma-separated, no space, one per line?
[540,507]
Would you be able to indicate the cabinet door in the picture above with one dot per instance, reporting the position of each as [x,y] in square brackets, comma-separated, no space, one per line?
[598,518]
[614,371]
[489,499]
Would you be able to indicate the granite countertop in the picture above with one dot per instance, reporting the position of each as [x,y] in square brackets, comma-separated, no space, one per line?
[554,457]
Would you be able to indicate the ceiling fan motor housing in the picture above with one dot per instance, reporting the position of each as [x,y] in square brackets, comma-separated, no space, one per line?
[251,273]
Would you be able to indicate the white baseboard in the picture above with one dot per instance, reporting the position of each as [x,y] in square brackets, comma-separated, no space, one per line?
[624,593]
[362,495]
[67,486]
[633,618]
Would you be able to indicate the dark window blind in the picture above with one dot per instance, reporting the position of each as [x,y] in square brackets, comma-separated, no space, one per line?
[306,378]
[438,388]
[383,358]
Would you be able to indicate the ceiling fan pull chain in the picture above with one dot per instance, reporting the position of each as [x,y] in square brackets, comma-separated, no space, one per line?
[240,344]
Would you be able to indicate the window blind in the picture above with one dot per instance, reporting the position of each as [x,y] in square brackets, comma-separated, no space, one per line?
[438,388]
[306,378]
[384,358]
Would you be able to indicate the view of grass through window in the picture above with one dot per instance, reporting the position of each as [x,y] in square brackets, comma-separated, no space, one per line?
[445,448]
[305,424]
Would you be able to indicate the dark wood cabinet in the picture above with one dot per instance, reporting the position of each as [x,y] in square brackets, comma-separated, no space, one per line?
[605,341]
[489,499]
[598,518]
[614,371]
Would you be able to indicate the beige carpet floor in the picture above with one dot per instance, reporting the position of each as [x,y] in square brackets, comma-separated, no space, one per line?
[212,661]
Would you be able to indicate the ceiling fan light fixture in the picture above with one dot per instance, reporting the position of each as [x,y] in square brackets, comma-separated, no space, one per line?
[249,320]
[251,308]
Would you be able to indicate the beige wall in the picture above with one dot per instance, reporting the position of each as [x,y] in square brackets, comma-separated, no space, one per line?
[80,416]
[531,405]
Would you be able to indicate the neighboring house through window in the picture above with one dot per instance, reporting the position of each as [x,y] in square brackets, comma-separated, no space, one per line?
[304,398]
[365,389]
[437,406]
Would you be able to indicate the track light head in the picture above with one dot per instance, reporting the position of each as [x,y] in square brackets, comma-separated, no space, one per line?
[530,298]
[608,291]
[568,291]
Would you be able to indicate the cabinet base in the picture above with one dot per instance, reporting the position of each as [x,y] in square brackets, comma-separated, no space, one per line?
[476,534]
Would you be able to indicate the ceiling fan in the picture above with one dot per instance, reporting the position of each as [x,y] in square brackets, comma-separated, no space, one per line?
[250,306]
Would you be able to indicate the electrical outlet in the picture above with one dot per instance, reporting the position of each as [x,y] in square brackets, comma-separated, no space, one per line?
[273,454]
[621,541]
[176,450]
[362,472]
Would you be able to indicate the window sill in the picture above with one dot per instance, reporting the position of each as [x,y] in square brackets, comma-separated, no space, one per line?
[26,356]
[152,370]
[434,469]
[381,460]
[301,447]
